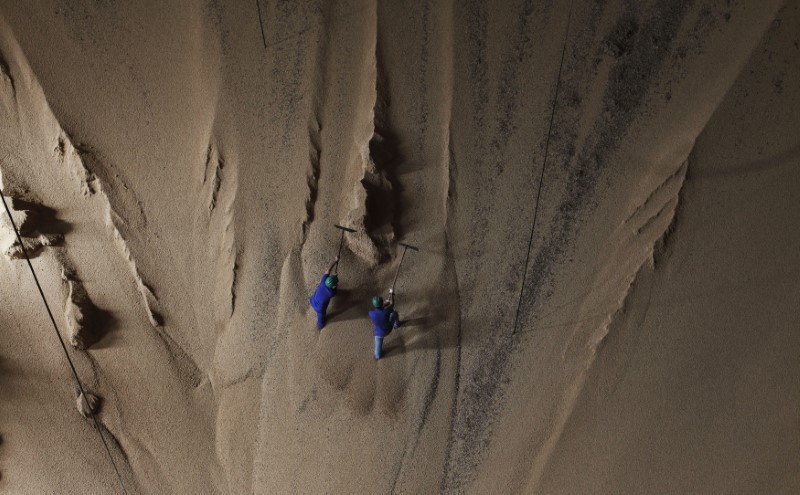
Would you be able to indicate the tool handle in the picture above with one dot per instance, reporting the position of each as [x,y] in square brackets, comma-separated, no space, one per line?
[398,267]
[341,242]
[339,254]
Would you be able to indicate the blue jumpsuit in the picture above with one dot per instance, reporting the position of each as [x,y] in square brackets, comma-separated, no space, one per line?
[384,319]
[320,300]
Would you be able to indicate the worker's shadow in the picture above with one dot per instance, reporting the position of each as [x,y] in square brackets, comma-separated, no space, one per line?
[426,328]
[345,306]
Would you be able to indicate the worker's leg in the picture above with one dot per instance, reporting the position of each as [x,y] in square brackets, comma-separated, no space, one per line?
[378,345]
[394,319]
[320,319]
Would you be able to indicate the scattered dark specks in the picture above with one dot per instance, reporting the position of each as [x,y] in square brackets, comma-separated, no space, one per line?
[778,83]
[312,396]
[621,38]
[727,16]
[668,96]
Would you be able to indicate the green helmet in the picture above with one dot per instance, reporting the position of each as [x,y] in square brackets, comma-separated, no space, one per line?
[377,301]
[332,281]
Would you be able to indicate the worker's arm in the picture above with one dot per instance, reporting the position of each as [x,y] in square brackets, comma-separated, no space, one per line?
[332,265]
[391,297]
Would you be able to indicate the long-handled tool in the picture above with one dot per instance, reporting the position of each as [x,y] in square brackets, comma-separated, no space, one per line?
[341,241]
[406,247]
[396,317]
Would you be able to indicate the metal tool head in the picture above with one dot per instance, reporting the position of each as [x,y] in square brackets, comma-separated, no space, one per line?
[344,228]
[409,246]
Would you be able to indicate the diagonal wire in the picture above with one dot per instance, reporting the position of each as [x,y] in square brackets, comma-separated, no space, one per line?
[541,177]
[261,23]
[306,29]
[63,345]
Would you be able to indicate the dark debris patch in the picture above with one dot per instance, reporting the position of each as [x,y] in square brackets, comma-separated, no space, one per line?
[641,47]
[620,40]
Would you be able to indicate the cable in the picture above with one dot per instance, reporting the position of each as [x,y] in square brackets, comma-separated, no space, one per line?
[63,345]
[261,23]
[541,177]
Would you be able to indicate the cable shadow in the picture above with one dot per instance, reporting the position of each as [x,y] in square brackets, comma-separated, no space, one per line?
[424,329]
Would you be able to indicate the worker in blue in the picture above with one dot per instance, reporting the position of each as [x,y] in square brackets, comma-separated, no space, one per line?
[385,319]
[326,290]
